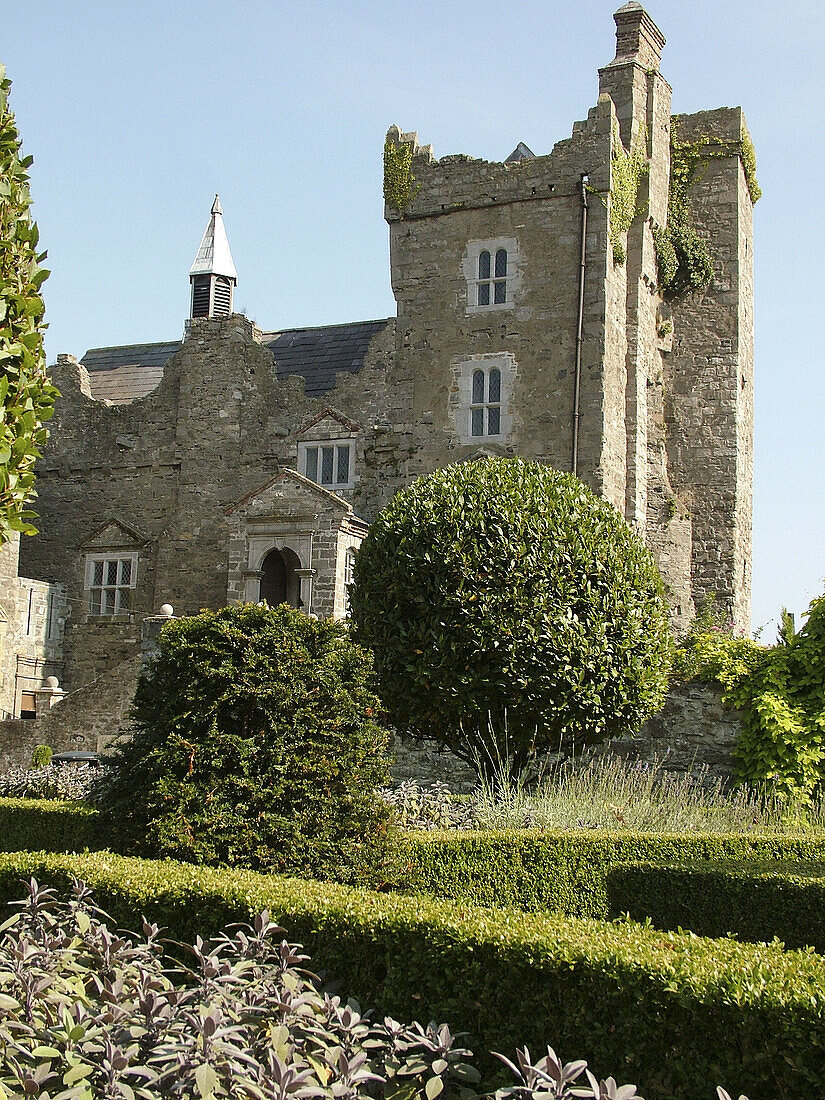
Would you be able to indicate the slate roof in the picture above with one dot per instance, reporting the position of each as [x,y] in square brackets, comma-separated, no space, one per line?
[121,375]
[317,354]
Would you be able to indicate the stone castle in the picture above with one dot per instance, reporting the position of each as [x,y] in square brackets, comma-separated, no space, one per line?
[243,464]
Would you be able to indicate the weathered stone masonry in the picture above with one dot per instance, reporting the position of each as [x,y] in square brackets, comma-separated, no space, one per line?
[196,462]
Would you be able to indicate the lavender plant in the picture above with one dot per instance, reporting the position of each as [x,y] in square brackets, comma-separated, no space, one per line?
[428,806]
[70,782]
[87,1012]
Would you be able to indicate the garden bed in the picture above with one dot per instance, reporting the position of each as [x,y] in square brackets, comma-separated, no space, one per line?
[661,1009]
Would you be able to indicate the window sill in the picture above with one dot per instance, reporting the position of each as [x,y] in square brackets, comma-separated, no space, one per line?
[492,308]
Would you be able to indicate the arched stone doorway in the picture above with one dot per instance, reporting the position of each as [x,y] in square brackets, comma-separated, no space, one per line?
[280,582]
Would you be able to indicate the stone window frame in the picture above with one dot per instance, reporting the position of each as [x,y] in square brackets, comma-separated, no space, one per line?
[486,401]
[472,272]
[120,590]
[463,404]
[349,576]
[304,446]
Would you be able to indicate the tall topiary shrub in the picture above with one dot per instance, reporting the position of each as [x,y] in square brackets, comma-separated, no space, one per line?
[26,396]
[510,610]
[257,744]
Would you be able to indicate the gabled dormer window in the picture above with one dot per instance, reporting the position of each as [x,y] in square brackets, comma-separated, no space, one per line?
[327,463]
[110,582]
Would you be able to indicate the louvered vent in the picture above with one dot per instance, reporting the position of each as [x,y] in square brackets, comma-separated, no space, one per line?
[200,296]
[222,305]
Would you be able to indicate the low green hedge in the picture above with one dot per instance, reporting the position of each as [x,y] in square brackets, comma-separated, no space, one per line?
[666,878]
[672,1012]
[756,904]
[39,824]
[565,872]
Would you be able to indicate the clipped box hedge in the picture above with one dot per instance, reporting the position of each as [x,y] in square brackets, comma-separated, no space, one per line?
[569,872]
[787,902]
[674,1013]
[576,874]
[40,824]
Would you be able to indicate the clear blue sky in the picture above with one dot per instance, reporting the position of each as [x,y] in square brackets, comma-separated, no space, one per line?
[137,114]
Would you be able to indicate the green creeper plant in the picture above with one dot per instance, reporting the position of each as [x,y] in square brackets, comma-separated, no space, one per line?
[26,395]
[400,187]
[258,745]
[780,691]
[628,169]
[509,609]
[683,256]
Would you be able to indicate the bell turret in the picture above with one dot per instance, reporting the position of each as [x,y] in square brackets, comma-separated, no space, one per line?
[213,275]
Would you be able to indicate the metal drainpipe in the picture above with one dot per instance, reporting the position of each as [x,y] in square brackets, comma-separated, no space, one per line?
[579,323]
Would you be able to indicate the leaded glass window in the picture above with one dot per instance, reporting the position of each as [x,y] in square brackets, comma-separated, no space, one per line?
[110,583]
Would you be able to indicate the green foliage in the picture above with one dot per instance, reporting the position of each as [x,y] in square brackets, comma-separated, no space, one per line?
[748,154]
[26,396]
[109,1015]
[570,872]
[509,609]
[42,756]
[781,694]
[42,824]
[400,187]
[256,744]
[787,627]
[757,902]
[672,1010]
[627,171]
[683,256]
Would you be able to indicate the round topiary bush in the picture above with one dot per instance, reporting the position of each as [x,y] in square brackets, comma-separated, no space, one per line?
[510,610]
[256,744]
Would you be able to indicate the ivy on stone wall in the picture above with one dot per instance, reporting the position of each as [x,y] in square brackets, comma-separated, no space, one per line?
[628,169]
[400,187]
[26,395]
[682,255]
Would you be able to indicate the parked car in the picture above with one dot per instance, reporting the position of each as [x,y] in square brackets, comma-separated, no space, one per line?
[77,757]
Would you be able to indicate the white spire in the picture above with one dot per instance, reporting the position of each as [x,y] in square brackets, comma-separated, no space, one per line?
[214,257]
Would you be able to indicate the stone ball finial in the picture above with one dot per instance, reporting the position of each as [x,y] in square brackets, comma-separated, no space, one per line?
[52,683]
[167,610]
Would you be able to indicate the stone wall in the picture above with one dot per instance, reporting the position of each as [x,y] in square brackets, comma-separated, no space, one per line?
[693,733]
[32,618]
[426,762]
[709,375]
[87,719]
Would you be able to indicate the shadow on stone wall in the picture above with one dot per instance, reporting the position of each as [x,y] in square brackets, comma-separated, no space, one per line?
[693,732]
[86,719]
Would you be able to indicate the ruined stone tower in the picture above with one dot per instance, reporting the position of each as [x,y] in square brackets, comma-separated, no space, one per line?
[544,310]
[501,267]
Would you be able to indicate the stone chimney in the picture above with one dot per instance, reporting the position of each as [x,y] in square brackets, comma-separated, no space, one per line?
[637,37]
[641,96]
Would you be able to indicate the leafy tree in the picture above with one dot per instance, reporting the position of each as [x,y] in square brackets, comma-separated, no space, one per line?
[26,395]
[509,609]
[256,744]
